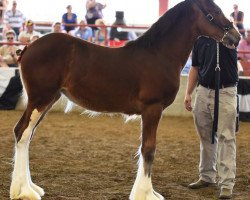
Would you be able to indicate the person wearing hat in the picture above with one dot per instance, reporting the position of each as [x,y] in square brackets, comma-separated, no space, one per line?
[25,36]
[69,19]
[117,37]
[8,57]
[14,18]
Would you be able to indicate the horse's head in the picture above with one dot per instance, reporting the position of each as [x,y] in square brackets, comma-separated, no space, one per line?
[213,23]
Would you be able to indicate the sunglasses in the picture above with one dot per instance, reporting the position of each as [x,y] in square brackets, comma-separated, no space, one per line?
[10,38]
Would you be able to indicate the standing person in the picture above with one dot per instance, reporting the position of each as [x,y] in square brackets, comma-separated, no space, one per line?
[238,17]
[94,12]
[69,19]
[15,18]
[219,157]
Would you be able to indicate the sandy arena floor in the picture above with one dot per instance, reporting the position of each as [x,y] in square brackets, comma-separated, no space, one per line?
[74,157]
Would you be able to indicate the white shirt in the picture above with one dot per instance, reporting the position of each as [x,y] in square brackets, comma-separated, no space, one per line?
[14,20]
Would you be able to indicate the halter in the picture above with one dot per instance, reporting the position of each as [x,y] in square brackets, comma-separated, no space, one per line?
[210,18]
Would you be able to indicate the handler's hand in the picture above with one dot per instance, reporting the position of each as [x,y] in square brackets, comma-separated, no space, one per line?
[187,102]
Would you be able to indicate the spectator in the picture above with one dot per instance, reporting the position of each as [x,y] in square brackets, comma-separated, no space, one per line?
[244,45]
[221,156]
[69,19]
[25,35]
[94,12]
[101,35]
[14,18]
[57,28]
[119,37]
[84,32]
[6,28]
[238,17]
[3,6]
[8,57]
[34,38]
[114,33]
[187,66]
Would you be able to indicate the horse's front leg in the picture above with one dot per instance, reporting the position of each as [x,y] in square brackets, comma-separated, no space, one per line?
[143,189]
[22,186]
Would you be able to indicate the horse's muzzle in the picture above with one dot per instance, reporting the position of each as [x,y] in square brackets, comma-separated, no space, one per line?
[231,39]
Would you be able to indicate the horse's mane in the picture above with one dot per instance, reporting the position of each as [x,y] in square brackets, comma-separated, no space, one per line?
[162,26]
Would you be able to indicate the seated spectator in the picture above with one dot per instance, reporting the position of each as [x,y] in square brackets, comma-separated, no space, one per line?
[187,66]
[8,57]
[14,18]
[101,34]
[84,32]
[34,38]
[119,37]
[57,28]
[25,36]
[9,97]
[6,28]
[69,19]
[244,45]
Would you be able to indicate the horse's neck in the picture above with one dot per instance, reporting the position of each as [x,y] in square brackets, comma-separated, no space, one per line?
[178,44]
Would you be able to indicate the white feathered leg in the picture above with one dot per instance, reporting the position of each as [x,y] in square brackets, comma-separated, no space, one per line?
[22,186]
[143,189]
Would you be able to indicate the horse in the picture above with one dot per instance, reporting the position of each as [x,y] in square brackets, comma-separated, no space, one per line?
[140,78]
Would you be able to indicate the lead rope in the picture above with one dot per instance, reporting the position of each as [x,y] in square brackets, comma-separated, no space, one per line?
[216,97]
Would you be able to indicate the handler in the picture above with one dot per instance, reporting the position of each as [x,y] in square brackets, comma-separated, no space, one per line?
[220,156]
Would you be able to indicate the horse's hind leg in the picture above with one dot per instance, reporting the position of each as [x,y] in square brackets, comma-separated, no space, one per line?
[22,186]
[143,189]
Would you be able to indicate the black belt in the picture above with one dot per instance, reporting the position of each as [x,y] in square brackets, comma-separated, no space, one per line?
[221,86]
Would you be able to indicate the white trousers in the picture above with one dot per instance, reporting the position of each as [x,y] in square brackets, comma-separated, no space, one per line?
[221,156]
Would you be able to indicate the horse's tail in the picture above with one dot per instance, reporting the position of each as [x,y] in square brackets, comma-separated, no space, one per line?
[20,52]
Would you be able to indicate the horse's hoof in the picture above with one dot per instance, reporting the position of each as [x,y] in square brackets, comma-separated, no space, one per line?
[23,193]
[38,189]
[143,195]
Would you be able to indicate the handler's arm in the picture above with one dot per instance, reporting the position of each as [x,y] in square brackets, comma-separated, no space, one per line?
[191,84]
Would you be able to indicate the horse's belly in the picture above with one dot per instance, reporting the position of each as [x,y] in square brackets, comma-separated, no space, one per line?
[103,101]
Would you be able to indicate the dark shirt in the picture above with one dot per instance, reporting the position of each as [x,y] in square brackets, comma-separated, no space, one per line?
[204,56]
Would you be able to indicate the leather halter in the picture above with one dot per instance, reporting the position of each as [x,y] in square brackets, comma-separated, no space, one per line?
[210,18]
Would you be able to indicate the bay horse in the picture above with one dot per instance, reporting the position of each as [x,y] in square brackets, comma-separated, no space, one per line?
[140,78]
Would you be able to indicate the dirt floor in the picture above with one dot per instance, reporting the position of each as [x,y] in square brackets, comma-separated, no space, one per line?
[75,157]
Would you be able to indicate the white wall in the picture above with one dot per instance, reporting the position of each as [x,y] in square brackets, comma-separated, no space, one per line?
[136,11]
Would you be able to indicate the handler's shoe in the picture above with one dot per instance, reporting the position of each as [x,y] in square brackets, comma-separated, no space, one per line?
[226,193]
[200,184]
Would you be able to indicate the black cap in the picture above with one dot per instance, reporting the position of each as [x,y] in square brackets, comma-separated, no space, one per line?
[119,14]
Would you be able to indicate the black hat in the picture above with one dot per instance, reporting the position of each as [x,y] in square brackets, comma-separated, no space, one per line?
[119,14]
[119,18]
